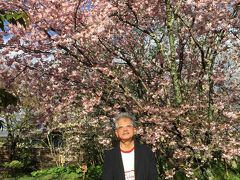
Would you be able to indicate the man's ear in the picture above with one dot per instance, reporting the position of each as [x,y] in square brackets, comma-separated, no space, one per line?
[135,131]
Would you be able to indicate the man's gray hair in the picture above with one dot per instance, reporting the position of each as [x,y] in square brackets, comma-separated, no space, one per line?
[125,115]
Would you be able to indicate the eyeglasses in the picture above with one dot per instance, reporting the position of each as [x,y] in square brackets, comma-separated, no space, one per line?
[128,126]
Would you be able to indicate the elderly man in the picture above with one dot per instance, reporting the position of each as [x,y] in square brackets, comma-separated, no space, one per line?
[129,160]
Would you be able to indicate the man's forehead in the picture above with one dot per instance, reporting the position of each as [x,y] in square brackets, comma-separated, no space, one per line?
[124,120]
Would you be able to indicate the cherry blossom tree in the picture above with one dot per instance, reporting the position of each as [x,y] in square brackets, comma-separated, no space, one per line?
[168,62]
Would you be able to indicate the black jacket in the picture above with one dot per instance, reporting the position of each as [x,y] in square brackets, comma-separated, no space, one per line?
[145,164]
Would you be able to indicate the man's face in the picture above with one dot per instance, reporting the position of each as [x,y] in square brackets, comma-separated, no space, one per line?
[125,130]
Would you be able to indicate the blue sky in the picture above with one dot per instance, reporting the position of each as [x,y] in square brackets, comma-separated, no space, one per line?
[7,35]
[88,5]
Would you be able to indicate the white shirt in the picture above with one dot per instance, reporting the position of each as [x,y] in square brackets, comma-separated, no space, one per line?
[128,164]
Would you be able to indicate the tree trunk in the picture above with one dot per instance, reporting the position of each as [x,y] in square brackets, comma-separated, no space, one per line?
[172,57]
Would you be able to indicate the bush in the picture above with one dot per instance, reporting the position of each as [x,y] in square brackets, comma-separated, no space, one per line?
[51,171]
[15,164]
[94,172]
[28,157]
[13,168]
[69,172]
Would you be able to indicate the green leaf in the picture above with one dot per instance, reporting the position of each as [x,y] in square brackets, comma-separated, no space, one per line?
[8,17]
[13,17]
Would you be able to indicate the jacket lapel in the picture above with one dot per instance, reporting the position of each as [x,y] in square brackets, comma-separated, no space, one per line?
[119,163]
[136,158]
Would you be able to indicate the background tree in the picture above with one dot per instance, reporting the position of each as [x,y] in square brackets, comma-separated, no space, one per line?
[168,62]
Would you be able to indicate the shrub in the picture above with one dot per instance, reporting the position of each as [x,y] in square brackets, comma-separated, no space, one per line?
[15,164]
[69,172]
[94,172]
[51,171]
